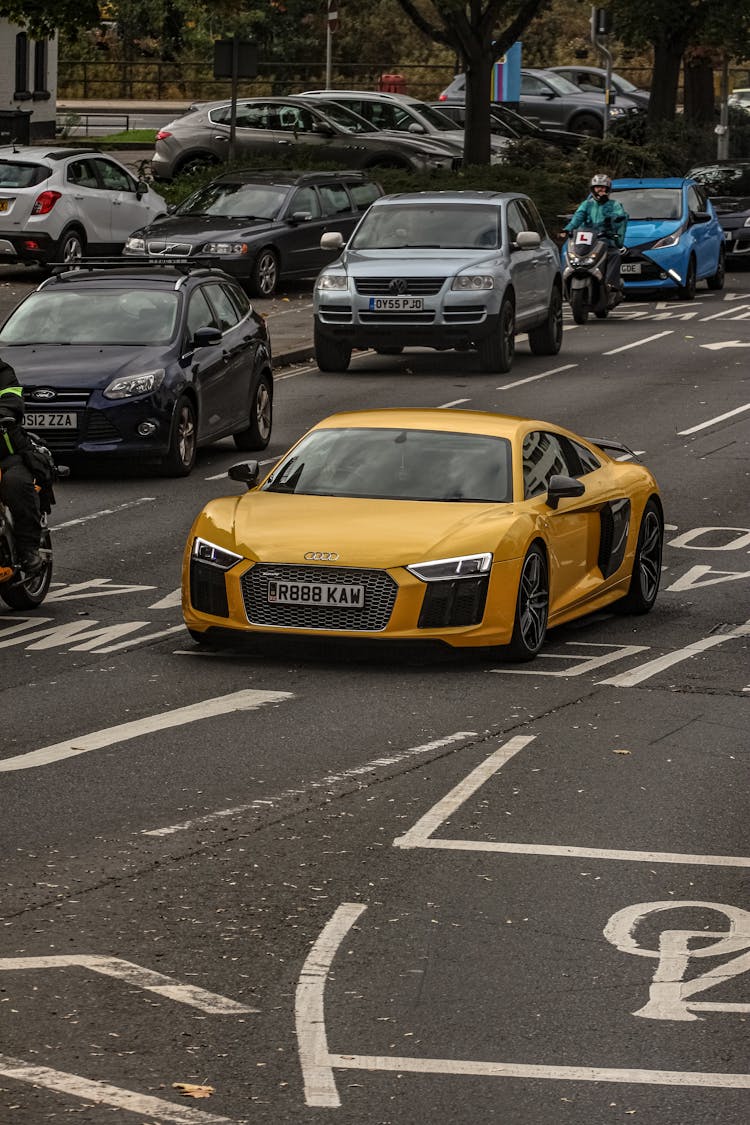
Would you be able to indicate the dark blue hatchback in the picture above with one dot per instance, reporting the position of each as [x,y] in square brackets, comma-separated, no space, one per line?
[143,364]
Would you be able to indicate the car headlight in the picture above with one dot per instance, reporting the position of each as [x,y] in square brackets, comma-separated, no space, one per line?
[440,570]
[225,248]
[332,281]
[616,111]
[208,552]
[128,386]
[136,244]
[668,240]
[473,281]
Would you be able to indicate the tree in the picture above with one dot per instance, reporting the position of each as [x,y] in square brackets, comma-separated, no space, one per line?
[479,32]
[42,18]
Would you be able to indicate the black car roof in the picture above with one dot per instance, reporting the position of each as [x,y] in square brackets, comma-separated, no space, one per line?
[285,176]
[148,273]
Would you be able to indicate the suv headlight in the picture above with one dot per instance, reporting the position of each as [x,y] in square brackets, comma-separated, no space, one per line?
[128,386]
[138,245]
[208,552]
[473,281]
[440,570]
[332,281]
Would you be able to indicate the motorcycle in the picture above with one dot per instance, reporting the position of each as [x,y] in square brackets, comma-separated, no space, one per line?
[19,590]
[585,286]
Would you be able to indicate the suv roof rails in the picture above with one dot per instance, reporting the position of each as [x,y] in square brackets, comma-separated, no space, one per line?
[193,265]
[293,174]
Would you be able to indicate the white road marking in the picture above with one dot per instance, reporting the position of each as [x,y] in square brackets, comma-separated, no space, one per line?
[533,378]
[731,311]
[720,346]
[103,512]
[171,601]
[93,588]
[101,1093]
[654,667]
[331,779]
[638,343]
[627,456]
[456,402]
[147,979]
[587,663]
[248,700]
[713,421]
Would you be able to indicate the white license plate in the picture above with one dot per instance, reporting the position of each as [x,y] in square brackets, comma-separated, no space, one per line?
[630,267]
[316,593]
[396,304]
[50,421]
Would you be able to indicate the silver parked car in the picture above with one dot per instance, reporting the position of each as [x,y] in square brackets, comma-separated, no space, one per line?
[270,127]
[460,269]
[593,80]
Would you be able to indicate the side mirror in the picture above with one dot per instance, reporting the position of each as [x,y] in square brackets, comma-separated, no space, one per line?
[141,189]
[415,127]
[528,240]
[560,486]
[245,472]
[700,217]
[300,217]
[332,240]
[204,337]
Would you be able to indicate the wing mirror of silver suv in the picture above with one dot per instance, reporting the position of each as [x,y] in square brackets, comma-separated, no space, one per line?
[527,240]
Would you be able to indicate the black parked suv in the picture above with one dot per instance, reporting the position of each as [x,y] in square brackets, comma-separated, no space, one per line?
[261,227]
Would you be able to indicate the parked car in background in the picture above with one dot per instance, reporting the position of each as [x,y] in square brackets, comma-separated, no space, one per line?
[261,227]
[740,98]
[673,238]
[594,80]
[141,364]
[403,114]
[449,269]
[727,184]
[268,127]
[556,103]
[57,204]
[507,123]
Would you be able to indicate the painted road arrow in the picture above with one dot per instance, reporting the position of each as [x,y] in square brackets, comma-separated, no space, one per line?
[726,344]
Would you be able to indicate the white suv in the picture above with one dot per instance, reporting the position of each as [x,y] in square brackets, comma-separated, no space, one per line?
[58,204]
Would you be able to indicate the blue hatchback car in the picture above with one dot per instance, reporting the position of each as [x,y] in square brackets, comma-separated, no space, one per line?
[673,238]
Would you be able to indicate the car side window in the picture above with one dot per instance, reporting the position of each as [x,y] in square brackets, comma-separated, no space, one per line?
[226,313]
[543,457]
[695,203]
[199,314]
[532,218]
[82,173]
[295,119]
[516,222]
[532,85]
[575,452]
[363,194]
[335,199]
[112,177]
[305,199]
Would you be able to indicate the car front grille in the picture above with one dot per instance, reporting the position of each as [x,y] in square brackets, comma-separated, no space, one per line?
[161,248]
[415,286]
[649,270]
[380,596]
[333,313]
[397,317]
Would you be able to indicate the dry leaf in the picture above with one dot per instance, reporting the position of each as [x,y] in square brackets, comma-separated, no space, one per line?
[188,1090]
[622,751]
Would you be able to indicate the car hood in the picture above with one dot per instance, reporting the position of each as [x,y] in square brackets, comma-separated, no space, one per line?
[422,141]
[730,204]
[274,527]
[644,230]
[383,263]
[201,229]
[77,366]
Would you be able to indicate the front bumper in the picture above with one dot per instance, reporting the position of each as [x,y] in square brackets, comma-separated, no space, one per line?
[110,430]
[737,242]
[652,269]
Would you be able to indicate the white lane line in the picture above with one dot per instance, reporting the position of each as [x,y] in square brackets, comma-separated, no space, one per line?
[533,378]
[147,979]
[638,343]
[431,821]
[314,366]
[309,1008]
[248,700]
[713,421]
[104,512]
[329,780]
[101,1093]
[653,667]
[456,402]
[730,311]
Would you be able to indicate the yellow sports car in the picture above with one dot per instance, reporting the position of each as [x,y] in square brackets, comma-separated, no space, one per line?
[469,528]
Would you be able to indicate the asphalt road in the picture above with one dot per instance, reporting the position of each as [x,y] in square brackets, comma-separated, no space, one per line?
[373,889]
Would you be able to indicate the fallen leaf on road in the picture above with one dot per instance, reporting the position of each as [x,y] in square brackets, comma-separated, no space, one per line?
[188,1090]
[622,751]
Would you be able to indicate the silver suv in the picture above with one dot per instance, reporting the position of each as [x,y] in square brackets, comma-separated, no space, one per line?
[460,269]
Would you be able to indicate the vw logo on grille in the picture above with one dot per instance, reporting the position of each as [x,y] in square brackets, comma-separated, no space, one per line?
[321,556]
[398,285]
[43,393]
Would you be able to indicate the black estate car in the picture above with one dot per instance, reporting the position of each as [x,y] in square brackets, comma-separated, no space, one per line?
[261,227]
[143,363]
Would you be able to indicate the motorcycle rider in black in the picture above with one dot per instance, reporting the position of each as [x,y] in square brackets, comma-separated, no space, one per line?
[17,483]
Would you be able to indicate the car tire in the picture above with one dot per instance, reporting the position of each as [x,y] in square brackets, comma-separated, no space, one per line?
[196,162]
[71,246]
[547,338]
[264,275]
[588,124]
[496,351]
[532,607]
[646,573]
[716,281]
[183,441]
[331,354]
[578,306]
[686,292]
[258,433]
[32,592]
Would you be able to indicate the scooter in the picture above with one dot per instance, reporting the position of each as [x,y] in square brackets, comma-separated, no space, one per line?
[19,590]
[585,286]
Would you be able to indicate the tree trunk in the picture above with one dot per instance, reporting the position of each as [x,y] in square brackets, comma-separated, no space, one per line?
[700,100]
[477,132]
[663,101]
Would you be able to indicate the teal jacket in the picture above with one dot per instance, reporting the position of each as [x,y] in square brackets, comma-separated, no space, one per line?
[609,219]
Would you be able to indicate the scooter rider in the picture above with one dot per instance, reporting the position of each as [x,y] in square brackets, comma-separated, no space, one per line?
[606,216]
[17,483]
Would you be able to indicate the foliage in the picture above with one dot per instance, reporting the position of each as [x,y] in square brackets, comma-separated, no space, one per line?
[43,19]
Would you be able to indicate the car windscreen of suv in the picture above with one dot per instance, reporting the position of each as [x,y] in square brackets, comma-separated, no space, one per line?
[234,200]
[17,174]
[725,180]
[387,464]
[111,316]
[429,226]
[659,204]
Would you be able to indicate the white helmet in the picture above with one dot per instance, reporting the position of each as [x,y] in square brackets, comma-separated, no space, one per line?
[601,179]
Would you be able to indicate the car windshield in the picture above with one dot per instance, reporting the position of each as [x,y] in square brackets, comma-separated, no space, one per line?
[440,226]
[347,118]
[395,464]
[433,116]
[127,317]
[729,180]
[235,200]
[624,84]
[657,204]
[17,174]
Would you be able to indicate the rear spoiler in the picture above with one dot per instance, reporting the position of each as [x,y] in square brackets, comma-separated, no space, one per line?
[614,446]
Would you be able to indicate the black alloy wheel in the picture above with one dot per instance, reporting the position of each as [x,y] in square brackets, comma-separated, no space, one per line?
[646,574]
[258,433]
[532,607]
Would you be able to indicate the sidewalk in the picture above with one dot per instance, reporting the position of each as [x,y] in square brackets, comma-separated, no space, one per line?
[290,323]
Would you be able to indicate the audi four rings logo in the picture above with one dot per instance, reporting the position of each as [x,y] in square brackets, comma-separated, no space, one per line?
[321,556]
[397,285]
[43,392]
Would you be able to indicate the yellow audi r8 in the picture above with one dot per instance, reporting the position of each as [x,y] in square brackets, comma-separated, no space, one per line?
[468,528]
